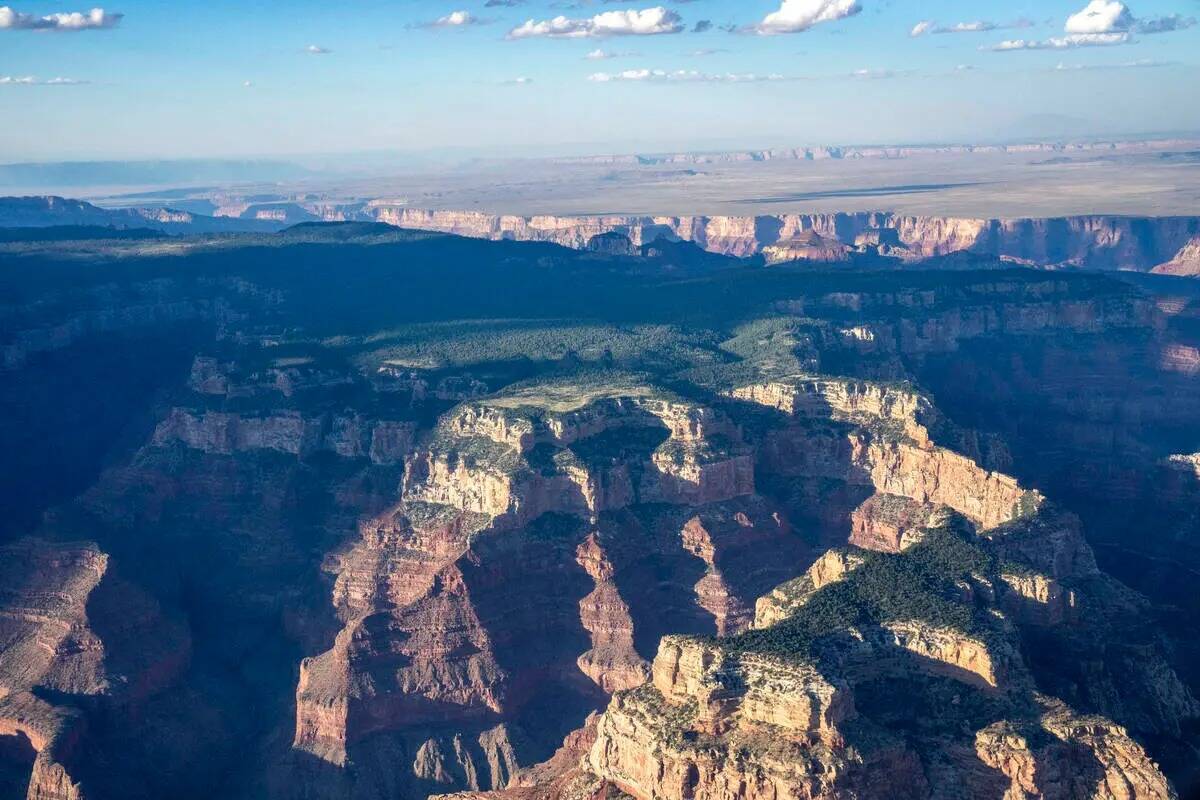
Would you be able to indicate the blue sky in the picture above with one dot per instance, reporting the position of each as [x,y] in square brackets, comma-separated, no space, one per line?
[176,78]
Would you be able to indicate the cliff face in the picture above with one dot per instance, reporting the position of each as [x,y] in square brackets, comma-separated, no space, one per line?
[77,640]
[1096,242]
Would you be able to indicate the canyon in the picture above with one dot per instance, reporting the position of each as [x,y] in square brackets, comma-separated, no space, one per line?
[500,511]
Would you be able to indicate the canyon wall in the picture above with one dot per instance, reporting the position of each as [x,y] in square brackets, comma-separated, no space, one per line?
[736,550]
[1096,242]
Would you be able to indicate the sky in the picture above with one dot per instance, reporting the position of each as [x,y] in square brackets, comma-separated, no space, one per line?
[259,78]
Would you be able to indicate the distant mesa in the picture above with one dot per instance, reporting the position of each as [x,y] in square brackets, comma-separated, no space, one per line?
[611,243]
[42,212]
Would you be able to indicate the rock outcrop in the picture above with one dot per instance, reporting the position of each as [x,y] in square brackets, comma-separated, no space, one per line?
[347,435]
[1185,263]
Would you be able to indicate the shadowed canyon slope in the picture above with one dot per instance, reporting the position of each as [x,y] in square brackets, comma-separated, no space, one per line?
[377,514]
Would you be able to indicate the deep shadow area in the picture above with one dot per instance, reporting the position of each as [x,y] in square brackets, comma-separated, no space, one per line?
[66,412]
[16,764]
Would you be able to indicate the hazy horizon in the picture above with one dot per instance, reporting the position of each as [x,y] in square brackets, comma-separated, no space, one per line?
[523,78]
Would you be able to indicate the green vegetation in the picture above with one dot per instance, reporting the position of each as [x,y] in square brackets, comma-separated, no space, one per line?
[464,343]
[918,584]
[476,452]
[710,450]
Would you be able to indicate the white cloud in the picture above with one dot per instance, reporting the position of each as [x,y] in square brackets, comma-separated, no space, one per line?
[921,28]
[681,75]
[29,80]
[647,22]
[1101,16]
[455,19]
[317,50]
[1101,23]
[795,16]
[95,19]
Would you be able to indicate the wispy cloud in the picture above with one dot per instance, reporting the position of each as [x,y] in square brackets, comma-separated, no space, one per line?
[600,54]
[317,50]
[647,22]
[974,26]
[96,19]
[1144,63]
[681,75]
[29,80]
[1062,42]
[874,74]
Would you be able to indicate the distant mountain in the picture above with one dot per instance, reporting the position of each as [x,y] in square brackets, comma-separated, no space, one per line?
[1051,126]
[42,212]
[131,173]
